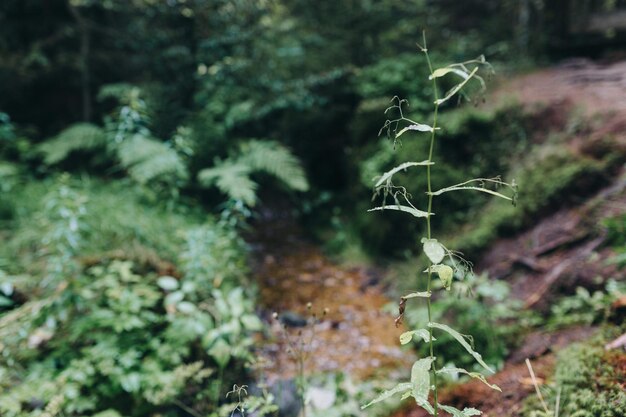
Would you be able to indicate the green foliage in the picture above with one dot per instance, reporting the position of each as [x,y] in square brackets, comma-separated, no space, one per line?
[114,335]
[566,170]
[147,159]
[588,379]
[232,176]
[78,137]
[499,131]
[481,307]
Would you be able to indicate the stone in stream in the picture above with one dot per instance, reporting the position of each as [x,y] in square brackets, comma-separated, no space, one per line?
[292,319]
[285,393]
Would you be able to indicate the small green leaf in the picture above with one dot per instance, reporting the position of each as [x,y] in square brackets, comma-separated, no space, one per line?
[467,412]
[251,322]
[476,375]
[445,275]
[440,72]
[174,298]
[167,283]
[422,294]
[220,352]
[418,127]
[402,387]
[456,88]
[420,380]
[387,175]
[406,337]
[459,337]
[406,209]
[434,250]
[186,307]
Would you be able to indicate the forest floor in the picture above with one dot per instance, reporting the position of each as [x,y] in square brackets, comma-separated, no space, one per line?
[562,250]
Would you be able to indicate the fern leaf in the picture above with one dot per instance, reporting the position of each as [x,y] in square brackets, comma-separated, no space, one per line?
[233,179]
[78,137]
[273,158]
[147,159]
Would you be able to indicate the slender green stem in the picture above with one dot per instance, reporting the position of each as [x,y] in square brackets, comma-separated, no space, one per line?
[428,231]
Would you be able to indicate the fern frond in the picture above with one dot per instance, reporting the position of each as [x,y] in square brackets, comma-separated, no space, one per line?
[233,179]
[273,158]
[78,137]
[147,159]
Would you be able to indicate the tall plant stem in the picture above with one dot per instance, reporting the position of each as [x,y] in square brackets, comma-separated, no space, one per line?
[428,231]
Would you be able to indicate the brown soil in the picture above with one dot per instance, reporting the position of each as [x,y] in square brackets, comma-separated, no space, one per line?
[354,337]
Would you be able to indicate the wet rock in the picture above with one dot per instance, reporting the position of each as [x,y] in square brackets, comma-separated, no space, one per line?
[292,319]
[285,393]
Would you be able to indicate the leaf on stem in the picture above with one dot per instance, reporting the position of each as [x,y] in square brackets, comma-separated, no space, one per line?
[457,88]
[420,381]
[416,126]
[450,370]
[434,250]
[421,294]
[387,175]
[459,337]
[423,334]
[413,211]
[402,387]
[467,412]
[445,273]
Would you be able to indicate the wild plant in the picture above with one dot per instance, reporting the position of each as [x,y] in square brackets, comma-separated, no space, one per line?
[443,263]
[297,349]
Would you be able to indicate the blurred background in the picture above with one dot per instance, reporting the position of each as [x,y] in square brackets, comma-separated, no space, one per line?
[184,187]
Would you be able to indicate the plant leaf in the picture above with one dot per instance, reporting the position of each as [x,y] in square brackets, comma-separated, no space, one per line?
[434,250]
[420,381]
[167,283]
[476,375]
[220,352]
[387,175]
[440,72]
[457,88]
[459,337]
[406,337]
[406,209]
[467,412]
[484,190]
[422,294]
[445,275]
[417,126]
[402,387]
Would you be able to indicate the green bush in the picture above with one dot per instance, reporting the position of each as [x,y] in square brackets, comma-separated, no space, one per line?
[125,308]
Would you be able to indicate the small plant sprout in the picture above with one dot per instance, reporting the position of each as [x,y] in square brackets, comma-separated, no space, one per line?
[239,391]
[443,263]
